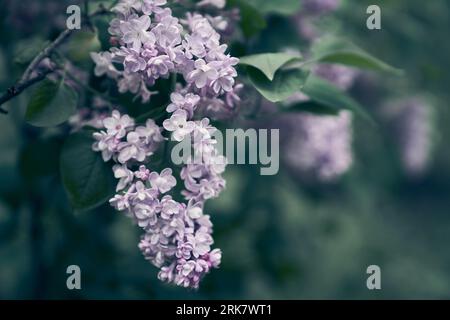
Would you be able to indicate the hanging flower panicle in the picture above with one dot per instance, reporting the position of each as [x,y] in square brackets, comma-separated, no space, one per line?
[153,44]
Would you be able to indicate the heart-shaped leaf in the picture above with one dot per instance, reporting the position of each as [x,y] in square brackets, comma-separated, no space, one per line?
[325,98]
[269,63]
[40,158]
[28,49]
[251,20]
[335,50]
[284,7]
[311,107]
[82,44]
[285,83]
[51,104]
[88,180]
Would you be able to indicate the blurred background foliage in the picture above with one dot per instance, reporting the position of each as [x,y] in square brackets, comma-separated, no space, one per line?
[281,239]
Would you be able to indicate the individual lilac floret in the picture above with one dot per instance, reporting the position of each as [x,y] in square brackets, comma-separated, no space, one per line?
[108,141]
[103,65]
[143,173]
[187,102]
[412,126]
[135,32]
[117,125]
[140,143]
[124,174]
[162,182]
[203,74]
[320,146]
[179,125]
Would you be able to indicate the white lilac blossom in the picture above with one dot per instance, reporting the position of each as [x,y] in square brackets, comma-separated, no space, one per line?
[319,147]
[153,44]
[411,123]
[177,236]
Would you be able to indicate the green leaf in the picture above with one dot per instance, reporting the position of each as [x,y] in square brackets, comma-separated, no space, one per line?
[251,21]
[40,158]
[335,50]
[51,104]
[269,63]
[284,84]
[94,5]
[327,99]
[102,25]
[87,179]
[269,39]
[82,44]
[311,107]
[26,50]
[284,7]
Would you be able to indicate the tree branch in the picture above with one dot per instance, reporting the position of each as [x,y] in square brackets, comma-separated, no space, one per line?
[45,54]
[25,81]
[20,87]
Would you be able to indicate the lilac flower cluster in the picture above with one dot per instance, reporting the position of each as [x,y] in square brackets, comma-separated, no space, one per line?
[320,146]
[412,126]
[86,117]
[150,43]
[341,76]
[90,117]
[315,7]
[202,174]
[225,22]
[177,236]
[153,44]
[309,12]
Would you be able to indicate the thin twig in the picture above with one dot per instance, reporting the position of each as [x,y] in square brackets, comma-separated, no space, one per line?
[44,54]
[25,81]
[16,90]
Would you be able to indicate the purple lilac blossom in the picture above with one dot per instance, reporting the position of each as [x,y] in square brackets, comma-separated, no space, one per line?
[316,7]
[305,19]
[149,44]
[412,126]
[87,117]
[341,76]
[220,4]
[319,147]
[177,236]
[152,44]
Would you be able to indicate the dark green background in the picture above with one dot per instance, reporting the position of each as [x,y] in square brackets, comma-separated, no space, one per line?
[280,239]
